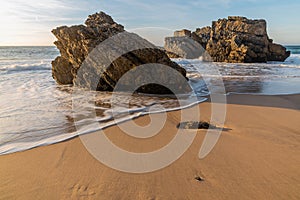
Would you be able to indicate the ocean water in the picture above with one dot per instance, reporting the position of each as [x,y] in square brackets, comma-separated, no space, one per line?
[35,111]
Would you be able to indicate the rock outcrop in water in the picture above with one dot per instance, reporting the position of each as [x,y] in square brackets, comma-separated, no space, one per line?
[77,42]
[183,47]
[236,39]
[184,44]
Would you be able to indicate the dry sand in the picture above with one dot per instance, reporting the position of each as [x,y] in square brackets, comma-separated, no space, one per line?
[257,159]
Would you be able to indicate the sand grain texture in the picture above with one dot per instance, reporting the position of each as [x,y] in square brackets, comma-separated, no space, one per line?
[257,159]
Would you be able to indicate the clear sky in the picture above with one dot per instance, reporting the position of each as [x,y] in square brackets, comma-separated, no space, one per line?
[30,22]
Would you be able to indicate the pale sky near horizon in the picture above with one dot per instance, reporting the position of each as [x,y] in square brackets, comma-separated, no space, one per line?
[30,22]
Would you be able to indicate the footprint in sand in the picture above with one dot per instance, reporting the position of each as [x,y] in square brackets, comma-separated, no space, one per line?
[81,192]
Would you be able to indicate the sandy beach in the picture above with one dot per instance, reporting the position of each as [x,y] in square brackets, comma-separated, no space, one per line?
[258,158]
[181,100]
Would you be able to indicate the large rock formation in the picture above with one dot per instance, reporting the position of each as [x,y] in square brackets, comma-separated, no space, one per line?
[77,42]
[237,39]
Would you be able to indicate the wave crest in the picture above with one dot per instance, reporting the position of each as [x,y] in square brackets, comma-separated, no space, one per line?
[20,67]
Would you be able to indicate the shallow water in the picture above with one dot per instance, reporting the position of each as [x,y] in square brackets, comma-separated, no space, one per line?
[34,111]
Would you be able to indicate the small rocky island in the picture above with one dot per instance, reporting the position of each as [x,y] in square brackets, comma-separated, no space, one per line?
[234,40]
[75,43]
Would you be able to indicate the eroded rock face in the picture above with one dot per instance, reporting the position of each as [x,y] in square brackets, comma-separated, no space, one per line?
[236,39]
[202,35]
[76,43]
[277,52]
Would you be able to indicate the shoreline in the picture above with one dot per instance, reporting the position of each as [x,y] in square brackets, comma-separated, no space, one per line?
[257,158]
[288,101]
[231,98]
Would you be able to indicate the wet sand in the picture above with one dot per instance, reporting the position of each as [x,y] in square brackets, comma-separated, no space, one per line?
[256,158]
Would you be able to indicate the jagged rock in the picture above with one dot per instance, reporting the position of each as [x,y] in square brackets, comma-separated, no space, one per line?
[62,71]
[172,55]
[277,52]
[202,35]
[236,39]
[77,42]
